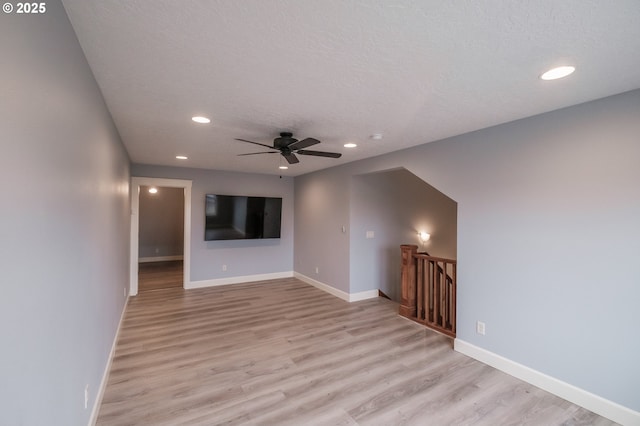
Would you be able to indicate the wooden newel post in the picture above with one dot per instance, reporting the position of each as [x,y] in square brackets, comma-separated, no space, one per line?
[408,281]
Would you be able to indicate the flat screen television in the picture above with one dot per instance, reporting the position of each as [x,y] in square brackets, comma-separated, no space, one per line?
[236,217]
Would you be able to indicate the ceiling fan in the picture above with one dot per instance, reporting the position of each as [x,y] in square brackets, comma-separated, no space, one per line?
[287,146]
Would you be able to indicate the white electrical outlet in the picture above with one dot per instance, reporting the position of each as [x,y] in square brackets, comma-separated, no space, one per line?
[224,267]
[125,292]
[370,234]
[86,396]
[157,250]
[317,270]
[480,327]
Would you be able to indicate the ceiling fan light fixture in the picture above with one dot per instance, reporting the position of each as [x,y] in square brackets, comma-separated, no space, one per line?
[558,72]
[200,119]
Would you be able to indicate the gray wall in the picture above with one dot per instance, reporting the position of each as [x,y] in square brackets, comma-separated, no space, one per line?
[395,205]
[322,210]
[548,237]
[161,226]
[64,233]
[242,257]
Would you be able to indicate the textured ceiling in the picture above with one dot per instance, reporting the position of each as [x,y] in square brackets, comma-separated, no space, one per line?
[339,71]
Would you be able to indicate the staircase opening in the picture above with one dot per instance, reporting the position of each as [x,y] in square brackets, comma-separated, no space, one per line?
[429,289]
[388,209]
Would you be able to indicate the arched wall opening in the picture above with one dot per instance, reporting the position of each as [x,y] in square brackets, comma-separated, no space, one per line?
[389,208]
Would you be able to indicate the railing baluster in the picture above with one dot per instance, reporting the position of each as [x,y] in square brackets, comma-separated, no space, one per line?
[440,297]
[442,277]
[436,292]
[429,292]
[420,286]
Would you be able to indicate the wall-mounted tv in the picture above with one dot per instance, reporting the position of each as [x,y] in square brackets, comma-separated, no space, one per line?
[236,217]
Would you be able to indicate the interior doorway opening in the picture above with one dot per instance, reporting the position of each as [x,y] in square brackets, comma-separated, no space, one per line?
[179,270]
[160,238]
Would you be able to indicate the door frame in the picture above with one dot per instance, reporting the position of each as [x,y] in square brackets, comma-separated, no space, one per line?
[136,183]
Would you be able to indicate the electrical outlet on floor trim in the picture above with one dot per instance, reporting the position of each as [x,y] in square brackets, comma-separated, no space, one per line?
[480,327]
[224,268]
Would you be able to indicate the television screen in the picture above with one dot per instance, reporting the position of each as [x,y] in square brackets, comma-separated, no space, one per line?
[235,217]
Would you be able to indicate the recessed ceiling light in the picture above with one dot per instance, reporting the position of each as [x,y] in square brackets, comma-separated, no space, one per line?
[350,145]
[283,167]
[559,72]
[153,190]
[181,157]
[376,136]
[201,120]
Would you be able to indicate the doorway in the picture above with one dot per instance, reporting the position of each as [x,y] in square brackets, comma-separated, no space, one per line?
[160,238]
[137,185]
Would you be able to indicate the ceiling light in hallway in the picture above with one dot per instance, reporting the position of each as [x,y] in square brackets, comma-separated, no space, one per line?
[556,73]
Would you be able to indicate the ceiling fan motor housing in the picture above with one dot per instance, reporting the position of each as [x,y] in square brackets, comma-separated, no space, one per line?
[286,138]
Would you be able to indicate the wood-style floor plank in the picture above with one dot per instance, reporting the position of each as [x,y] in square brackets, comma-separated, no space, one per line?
[282,352]
[160,275]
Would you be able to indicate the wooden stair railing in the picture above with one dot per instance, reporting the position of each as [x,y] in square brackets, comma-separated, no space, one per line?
[428,290]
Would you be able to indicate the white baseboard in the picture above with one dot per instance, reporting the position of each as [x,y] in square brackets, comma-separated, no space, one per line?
[604,407]
[105,376]
[363,295]
[159,258]
[238,280]
[348,297]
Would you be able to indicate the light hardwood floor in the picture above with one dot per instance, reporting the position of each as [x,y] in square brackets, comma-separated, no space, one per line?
[282,352]
[160,275]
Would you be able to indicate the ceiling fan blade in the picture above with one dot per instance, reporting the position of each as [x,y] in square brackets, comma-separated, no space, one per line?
[291,158]
[256,143]
[303,143]
[319,153]
[254,153]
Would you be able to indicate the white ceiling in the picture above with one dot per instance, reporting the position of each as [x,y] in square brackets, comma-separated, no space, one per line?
[339,71]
